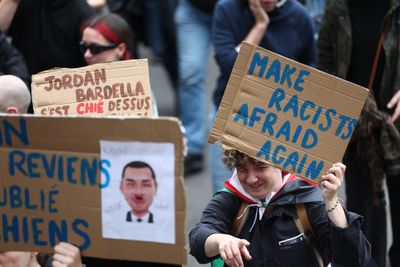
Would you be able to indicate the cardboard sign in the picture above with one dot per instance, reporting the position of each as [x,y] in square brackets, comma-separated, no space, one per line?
[121,87]
[50,185]
[287,114]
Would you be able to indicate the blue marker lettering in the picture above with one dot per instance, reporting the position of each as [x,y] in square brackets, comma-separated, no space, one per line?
[300,80]
[32,165]
[242,114]
[314,170]
[70,169]
[255,117]
[293,104]
[106,175]
[265,150]
[274,70]
[330,112]
[49,168]
[15,197]
[10,131]
[89,171]
[56,233]
[291,160]
[269,122]
[284,130]
[303,108]
[260,62]
[37,232]
[16,159]
[306,143]
[277,97]
[287,74]
[275,159]
[12,228]
[76,225]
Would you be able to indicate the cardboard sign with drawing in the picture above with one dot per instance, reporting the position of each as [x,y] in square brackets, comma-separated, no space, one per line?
[52,181]
[287,114]
[139,203]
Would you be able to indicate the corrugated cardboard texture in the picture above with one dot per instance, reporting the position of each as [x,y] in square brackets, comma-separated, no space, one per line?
[32,139]
[287,114]
[121,87]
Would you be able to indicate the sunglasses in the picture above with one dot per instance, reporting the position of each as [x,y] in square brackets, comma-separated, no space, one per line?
[95,48]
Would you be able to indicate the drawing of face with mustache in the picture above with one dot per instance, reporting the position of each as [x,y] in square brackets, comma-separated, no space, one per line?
[139,186]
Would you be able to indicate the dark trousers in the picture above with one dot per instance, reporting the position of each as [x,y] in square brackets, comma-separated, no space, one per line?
[360,195]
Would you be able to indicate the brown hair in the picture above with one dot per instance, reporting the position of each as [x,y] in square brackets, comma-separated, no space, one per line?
[114,28]
[236,159]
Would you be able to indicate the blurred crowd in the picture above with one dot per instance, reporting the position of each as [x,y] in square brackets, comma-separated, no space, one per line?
[357,40]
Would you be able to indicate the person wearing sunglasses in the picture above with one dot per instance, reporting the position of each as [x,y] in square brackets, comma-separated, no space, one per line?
[106,38]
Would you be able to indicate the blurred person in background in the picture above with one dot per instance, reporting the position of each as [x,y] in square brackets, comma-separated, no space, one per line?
[193,26]
[153,25]
[46,32]
[359,41]
[281,26]
[11,60]
[14,95]
[106,38]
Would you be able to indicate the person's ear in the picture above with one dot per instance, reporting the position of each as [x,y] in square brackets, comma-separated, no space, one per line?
[121,48]
[12,110]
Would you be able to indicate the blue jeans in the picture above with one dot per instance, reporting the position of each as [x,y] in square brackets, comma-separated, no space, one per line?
[194,35]
[315,9]
[219,172]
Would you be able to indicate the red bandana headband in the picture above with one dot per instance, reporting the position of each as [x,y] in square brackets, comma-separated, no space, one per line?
[107,32]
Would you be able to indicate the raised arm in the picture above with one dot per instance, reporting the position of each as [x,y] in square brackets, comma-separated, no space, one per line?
[7,12]
[330,185]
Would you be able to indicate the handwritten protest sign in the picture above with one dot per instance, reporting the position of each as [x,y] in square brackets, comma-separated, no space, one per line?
[51,182]
[287,114]
[121,87]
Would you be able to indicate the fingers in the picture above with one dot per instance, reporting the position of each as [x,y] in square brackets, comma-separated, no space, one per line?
[245,252]
[331,182]
[231,252]
[338,170]
[395,101]
[396,113]
[67,255]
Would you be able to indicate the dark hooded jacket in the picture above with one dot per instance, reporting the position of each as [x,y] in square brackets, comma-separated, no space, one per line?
[47,32]
[290,33]
[346,246]
[11,60]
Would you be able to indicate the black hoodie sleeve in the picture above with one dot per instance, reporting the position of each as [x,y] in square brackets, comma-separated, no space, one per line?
[11,60]
[217,217]
[345,246]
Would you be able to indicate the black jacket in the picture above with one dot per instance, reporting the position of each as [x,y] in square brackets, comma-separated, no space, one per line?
[347,247]
[47,32]
[11,60]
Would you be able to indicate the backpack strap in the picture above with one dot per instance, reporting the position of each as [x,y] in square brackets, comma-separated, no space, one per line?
[239,219]
[304,226]
[241,216]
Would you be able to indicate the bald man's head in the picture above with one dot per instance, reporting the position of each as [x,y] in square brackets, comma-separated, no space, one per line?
[14,95]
